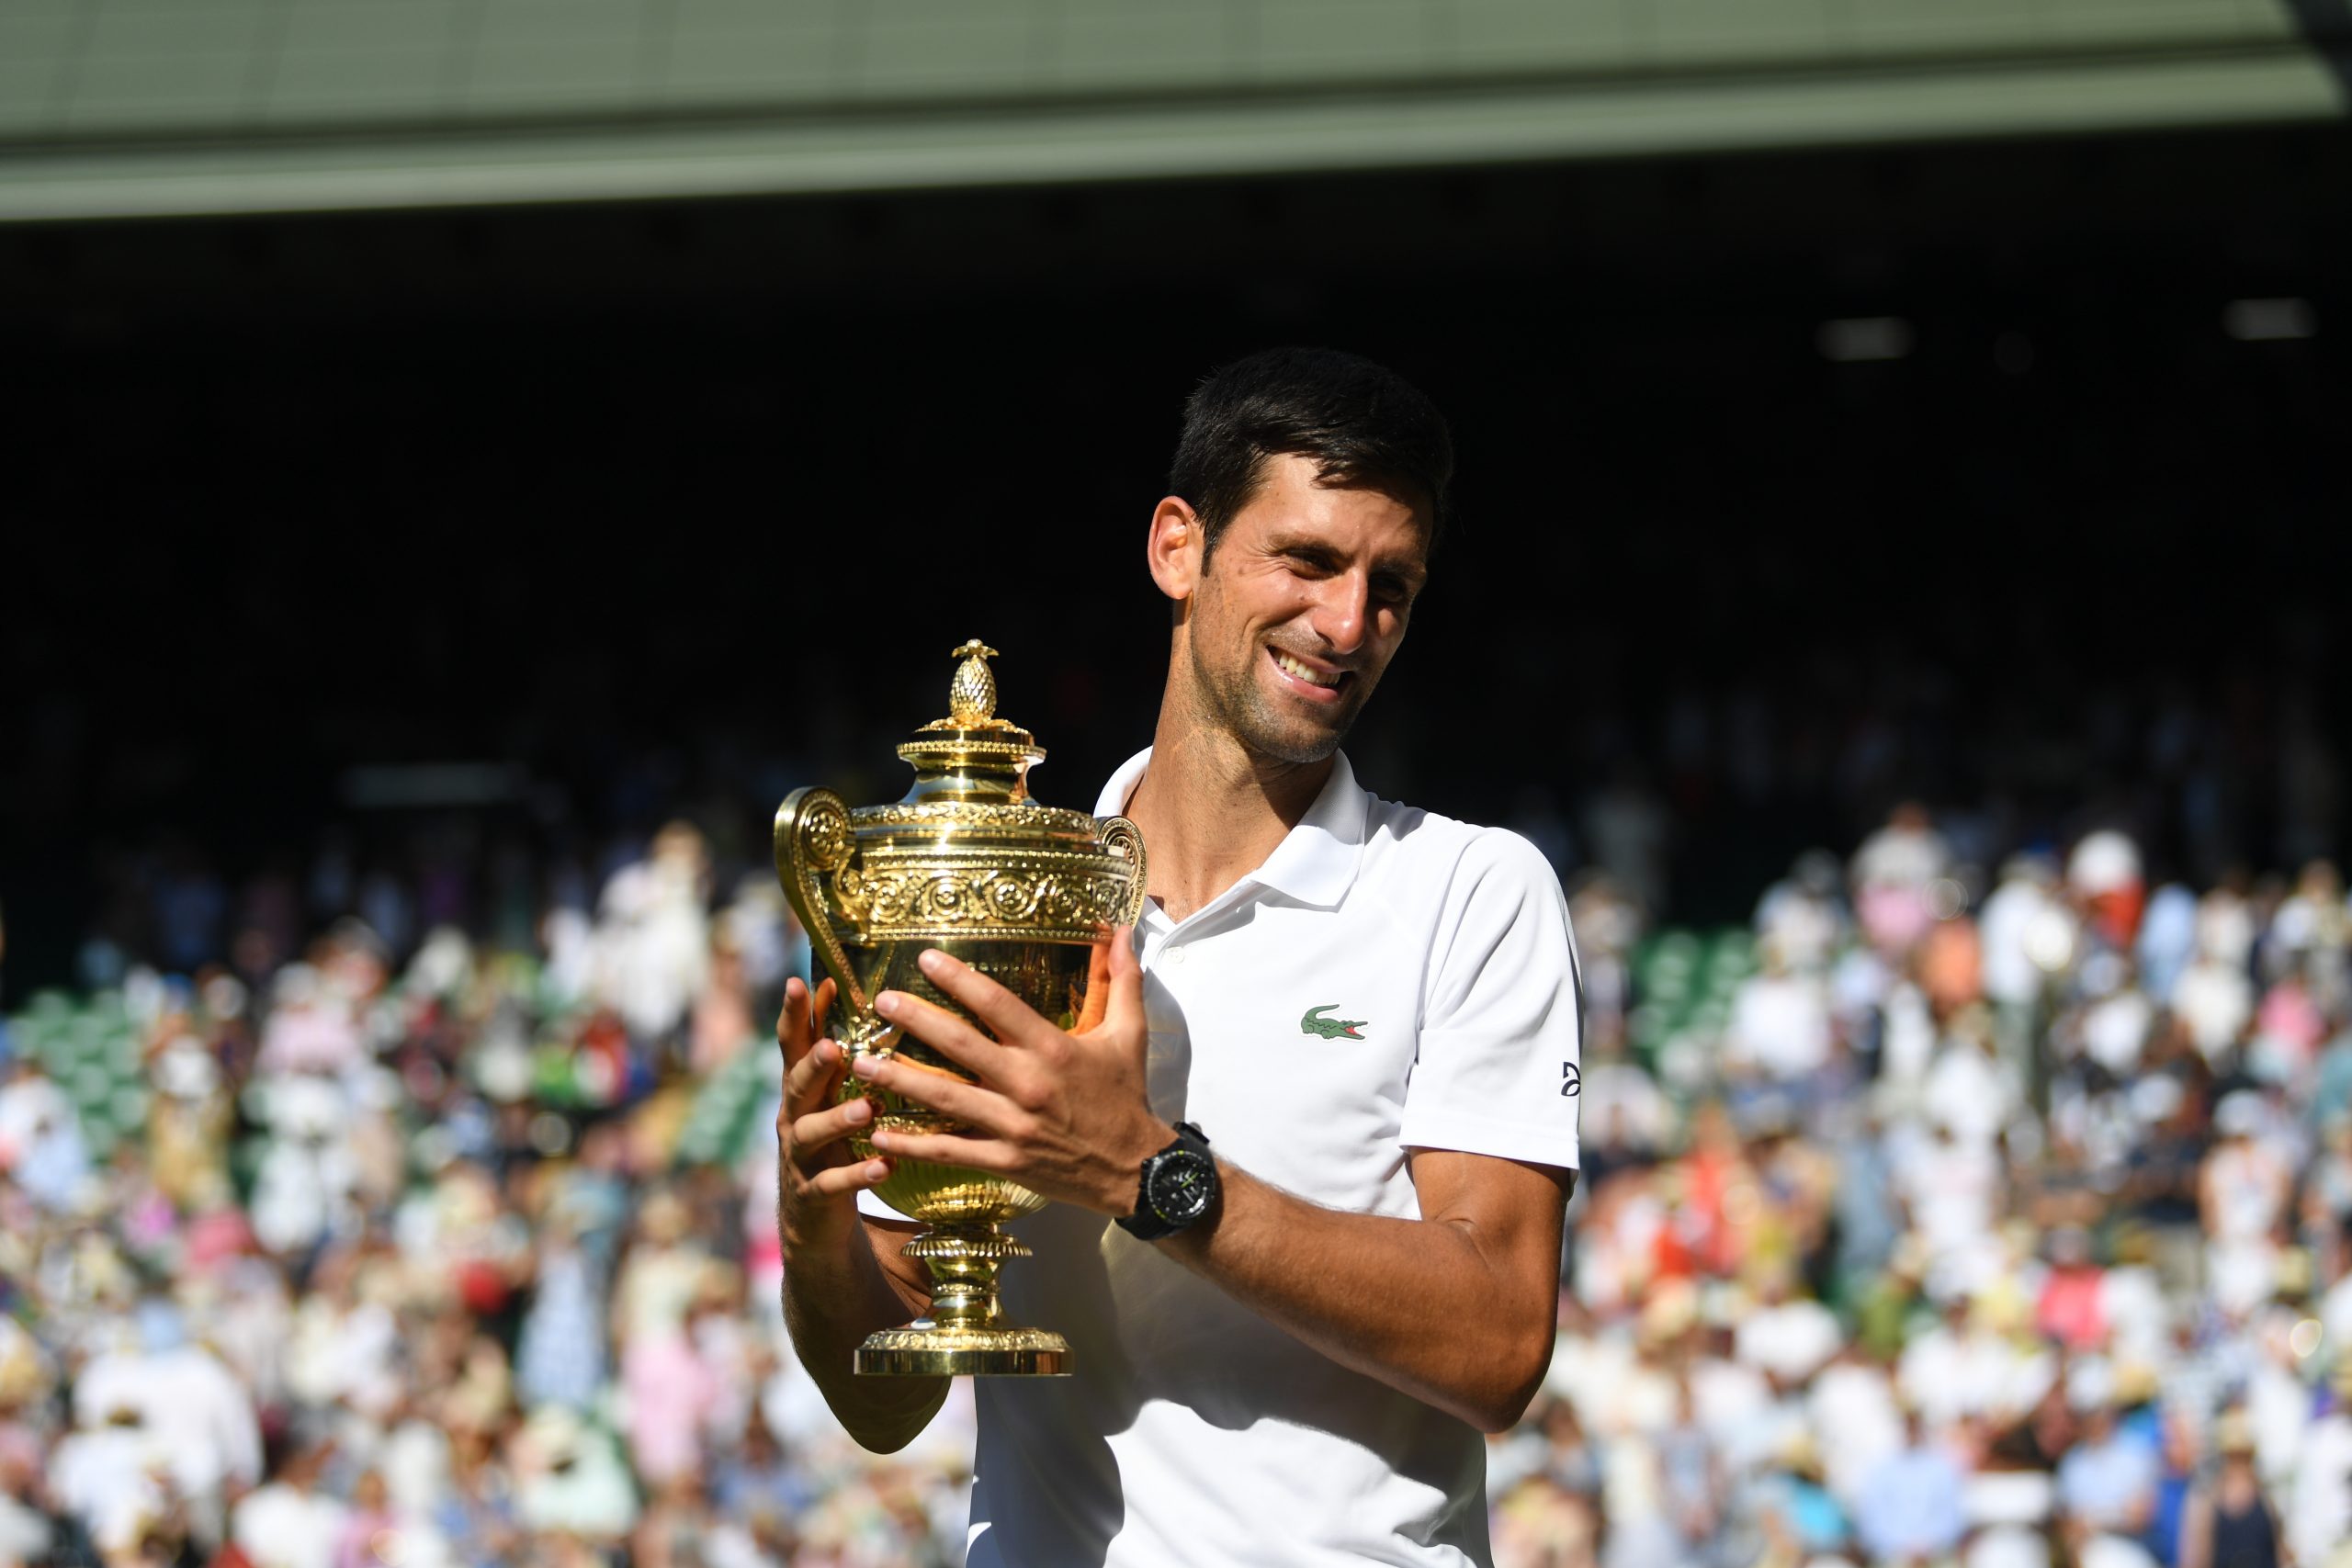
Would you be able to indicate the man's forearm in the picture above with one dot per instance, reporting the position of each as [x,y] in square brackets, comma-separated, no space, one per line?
[835,1293]
[1430,1307]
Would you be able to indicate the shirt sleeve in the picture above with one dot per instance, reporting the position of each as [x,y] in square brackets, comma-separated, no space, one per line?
[1497,1067]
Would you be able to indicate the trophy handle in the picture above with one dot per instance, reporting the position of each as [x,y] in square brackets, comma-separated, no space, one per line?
[1122,839]
[813,840]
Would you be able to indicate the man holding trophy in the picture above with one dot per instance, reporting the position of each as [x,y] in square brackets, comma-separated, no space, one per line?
[1308,1136]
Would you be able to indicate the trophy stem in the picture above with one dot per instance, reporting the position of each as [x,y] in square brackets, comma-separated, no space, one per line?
[964,1333]
[964,1264]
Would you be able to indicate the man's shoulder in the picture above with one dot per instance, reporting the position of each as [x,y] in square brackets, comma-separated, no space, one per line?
[1420,841]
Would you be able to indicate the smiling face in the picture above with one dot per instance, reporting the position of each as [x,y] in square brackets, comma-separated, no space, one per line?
[1289,622]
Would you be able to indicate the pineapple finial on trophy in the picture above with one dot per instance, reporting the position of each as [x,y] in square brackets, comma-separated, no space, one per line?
[971,698]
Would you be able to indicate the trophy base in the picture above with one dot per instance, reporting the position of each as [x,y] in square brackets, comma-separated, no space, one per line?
[925,1349]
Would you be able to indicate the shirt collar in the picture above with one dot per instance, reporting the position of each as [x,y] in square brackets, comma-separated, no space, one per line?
[1315,863]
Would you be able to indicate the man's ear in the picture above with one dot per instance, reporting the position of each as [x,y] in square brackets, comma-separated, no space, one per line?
[1175,548]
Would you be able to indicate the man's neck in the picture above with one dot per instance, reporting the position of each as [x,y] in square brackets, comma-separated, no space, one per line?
[1210,810]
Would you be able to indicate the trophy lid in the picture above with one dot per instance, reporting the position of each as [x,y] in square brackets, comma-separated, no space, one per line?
[971,754]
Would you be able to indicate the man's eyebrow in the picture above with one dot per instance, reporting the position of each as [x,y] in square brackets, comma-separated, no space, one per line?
[1411,569]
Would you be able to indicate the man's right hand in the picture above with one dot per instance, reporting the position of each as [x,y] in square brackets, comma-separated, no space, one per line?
[818,1177]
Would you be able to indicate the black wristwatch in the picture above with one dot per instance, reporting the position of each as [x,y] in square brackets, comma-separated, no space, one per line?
[1179,1187]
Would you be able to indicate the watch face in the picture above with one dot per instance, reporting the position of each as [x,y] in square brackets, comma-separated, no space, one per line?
[1181,1184]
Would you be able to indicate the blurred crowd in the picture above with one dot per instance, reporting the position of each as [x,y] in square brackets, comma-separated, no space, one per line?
[415,1258]
[1998,1218]
[2003,1224]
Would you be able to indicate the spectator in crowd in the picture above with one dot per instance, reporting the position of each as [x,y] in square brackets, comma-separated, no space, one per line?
[1893,875]
[1780,1024]
[1910,1506]
[2108,1480]
[41,1141]
[2228,1520]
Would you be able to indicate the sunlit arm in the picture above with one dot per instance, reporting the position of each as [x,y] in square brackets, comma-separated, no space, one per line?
[834,1297]
[1457,1309]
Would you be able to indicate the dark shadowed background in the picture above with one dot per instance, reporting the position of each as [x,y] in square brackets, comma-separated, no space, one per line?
[672,508]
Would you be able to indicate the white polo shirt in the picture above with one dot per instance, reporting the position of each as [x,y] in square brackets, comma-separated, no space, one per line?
[1388,979]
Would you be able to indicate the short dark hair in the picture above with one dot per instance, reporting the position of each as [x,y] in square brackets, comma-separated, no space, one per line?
[1359,423]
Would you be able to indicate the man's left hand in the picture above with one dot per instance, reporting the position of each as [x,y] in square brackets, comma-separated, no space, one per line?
[1062,1111]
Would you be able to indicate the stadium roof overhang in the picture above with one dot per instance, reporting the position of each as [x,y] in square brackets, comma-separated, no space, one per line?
[164,108]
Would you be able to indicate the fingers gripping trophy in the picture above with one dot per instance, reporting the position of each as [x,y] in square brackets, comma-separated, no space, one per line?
[1023,893]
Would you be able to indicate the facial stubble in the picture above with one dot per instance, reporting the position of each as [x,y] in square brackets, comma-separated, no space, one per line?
[1235,700]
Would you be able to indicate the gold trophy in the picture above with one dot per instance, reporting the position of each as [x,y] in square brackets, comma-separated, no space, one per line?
[1021,892]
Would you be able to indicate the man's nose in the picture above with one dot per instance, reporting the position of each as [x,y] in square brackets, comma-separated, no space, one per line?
[1343,614]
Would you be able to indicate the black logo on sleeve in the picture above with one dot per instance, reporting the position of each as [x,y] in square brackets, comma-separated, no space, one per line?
[1571,1081]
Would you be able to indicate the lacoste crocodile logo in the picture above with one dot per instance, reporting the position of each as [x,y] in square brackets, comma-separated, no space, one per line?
[1329,1028]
